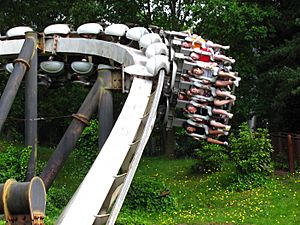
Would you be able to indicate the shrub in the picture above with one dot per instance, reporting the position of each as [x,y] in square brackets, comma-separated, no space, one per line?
[13,163]
[184,145]
[58,197]
[251,154]
[150,195]
[209,158]
[87,148]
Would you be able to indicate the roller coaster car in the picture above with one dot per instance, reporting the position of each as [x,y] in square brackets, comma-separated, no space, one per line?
[149,39]
[196,117]
[59,29]
[201,98]
[157,48]
[187,82]
[82,67]
[87,29]
[52,67]
[17,32]
[116,31]
[198,128]
[136,33]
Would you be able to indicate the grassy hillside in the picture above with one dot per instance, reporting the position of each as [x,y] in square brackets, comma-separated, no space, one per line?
[196,199]
[205,199]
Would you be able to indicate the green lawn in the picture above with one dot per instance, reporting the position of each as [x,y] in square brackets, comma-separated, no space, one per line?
[205,199]
[200,200]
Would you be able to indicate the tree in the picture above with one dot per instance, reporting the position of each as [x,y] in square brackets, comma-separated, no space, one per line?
[278,85]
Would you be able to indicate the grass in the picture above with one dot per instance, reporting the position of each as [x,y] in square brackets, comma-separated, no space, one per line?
[205,199]
[201,200]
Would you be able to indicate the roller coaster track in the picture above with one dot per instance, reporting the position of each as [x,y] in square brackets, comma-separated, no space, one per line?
[154,71]
[99,197]
[132,131]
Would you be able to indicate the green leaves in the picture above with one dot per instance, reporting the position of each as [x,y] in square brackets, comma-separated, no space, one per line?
[13,163]
[149,194]
[210,158]
[251,154]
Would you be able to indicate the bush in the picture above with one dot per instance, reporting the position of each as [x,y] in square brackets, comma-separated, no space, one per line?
[251,154]
[210,158]
[57,199]
[86,149]
[184,145]
[13,163]
[149,195]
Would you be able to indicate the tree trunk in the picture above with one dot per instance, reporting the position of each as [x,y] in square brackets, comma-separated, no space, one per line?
[169,143]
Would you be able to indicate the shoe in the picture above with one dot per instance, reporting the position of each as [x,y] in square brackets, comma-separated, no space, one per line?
[237,81]
[227,127]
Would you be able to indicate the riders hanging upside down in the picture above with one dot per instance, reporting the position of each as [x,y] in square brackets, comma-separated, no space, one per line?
[203,132]
[213,70]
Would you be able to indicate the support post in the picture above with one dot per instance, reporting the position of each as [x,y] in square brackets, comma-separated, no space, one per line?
[31,110]
[291,154]
[105,110]
[14,81]
[72,134]
[169,143]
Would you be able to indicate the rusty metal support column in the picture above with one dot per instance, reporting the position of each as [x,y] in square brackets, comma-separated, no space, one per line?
[105,110]
[291,154]
[31,110]
[14,81]
[72,134]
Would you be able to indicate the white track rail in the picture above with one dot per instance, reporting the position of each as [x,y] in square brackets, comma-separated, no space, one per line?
[146,131]
[92,192]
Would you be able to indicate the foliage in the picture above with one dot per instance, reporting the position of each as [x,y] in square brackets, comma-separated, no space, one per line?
[52,106]
[13,163]
[278,93]
[149,194]
[57,197]
[207,200]
[247,28]
[86,148]
[210,158]
[184,145]
[251,154]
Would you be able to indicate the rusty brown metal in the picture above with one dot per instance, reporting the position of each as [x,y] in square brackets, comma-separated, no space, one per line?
[72,134]
[14,81]
[31,110]
[291,154]
[287,146]
[23,203]
[105,105]
[81,118]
